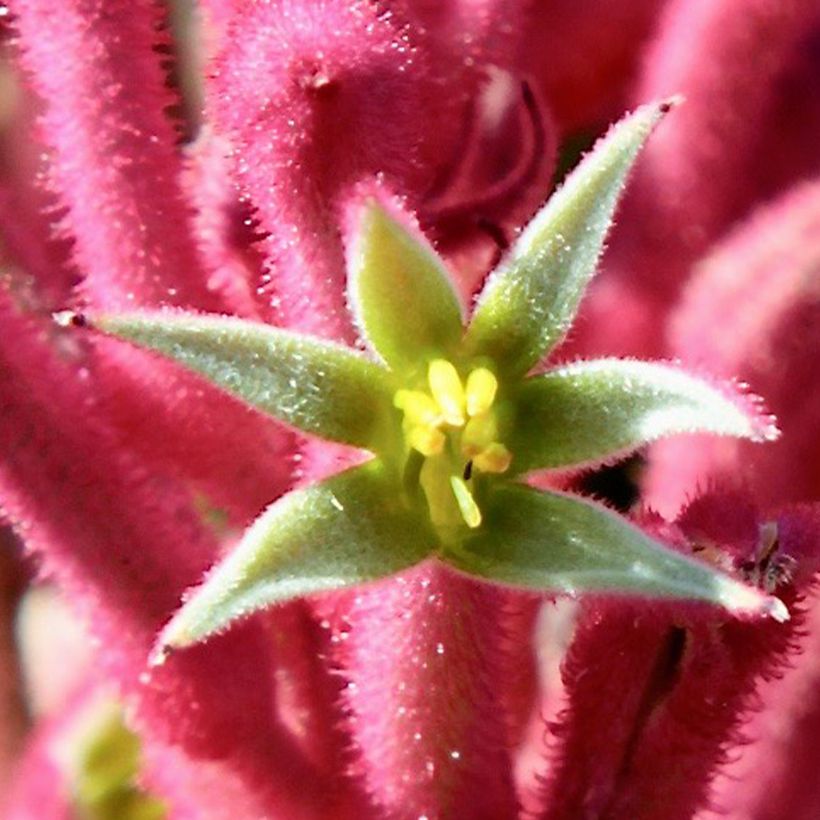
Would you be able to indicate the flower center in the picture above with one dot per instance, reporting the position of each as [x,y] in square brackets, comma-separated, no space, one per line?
[454,428]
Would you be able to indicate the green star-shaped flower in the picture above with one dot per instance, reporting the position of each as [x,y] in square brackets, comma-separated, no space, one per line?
[453,421]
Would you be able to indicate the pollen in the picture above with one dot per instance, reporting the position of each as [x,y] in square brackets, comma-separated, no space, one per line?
[447,390]
[419,408]
[454,426]
[494,458]
[429,441]
[482,386]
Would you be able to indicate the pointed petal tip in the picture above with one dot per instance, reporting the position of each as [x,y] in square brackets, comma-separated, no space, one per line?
[651,113]
[769,429]
[159,654]
[665,106]
[762,424]
[169,642]
[776,609]
[742,599]
[70,318]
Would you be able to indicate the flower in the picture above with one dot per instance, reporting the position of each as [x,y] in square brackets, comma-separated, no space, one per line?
[451,419]
[431,692]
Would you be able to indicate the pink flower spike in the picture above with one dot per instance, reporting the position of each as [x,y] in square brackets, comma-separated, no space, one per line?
[420,656]
[124,546]
[114,161]
[771,776]
[721,155]
[752,310]
[312,98]
[657,694]
[184,426]
[725,58]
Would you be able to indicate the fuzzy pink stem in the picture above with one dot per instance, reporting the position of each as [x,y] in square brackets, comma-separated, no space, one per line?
[656,693]
[421,655]
[773,775]
[725,58]
[13,718]
[238,459]
[712,162]
[312,97]
[124,546]
[752,311]
[115,165]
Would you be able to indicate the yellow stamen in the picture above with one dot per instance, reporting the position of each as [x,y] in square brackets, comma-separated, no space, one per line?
[480,432]
[466,503]
[428,424]
[495,458]
[418,407]
[447,390]
[482,386]
[429,441]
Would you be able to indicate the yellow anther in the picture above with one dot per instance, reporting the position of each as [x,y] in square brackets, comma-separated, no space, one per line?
[418,407]
[480,432]
[429,441]
[482,386]
[428,422]
[447,390]
[466,503]
[495,458]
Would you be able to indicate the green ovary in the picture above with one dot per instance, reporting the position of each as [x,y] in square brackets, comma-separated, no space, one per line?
[454,427]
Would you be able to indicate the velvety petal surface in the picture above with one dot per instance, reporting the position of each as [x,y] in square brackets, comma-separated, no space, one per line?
[552,541]
[592,412]
[350,529]
[317,386]
[114,162]
[530,301]
[752,310]
[123,544]
[421,656]
[179,424]
[746,133]
[402,298]
[314,97]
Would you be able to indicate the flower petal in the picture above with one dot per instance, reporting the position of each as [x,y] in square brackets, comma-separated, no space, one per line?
[529,303]
[401,295]
[593,412]
[318,386]
[351,529]
[551,541]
